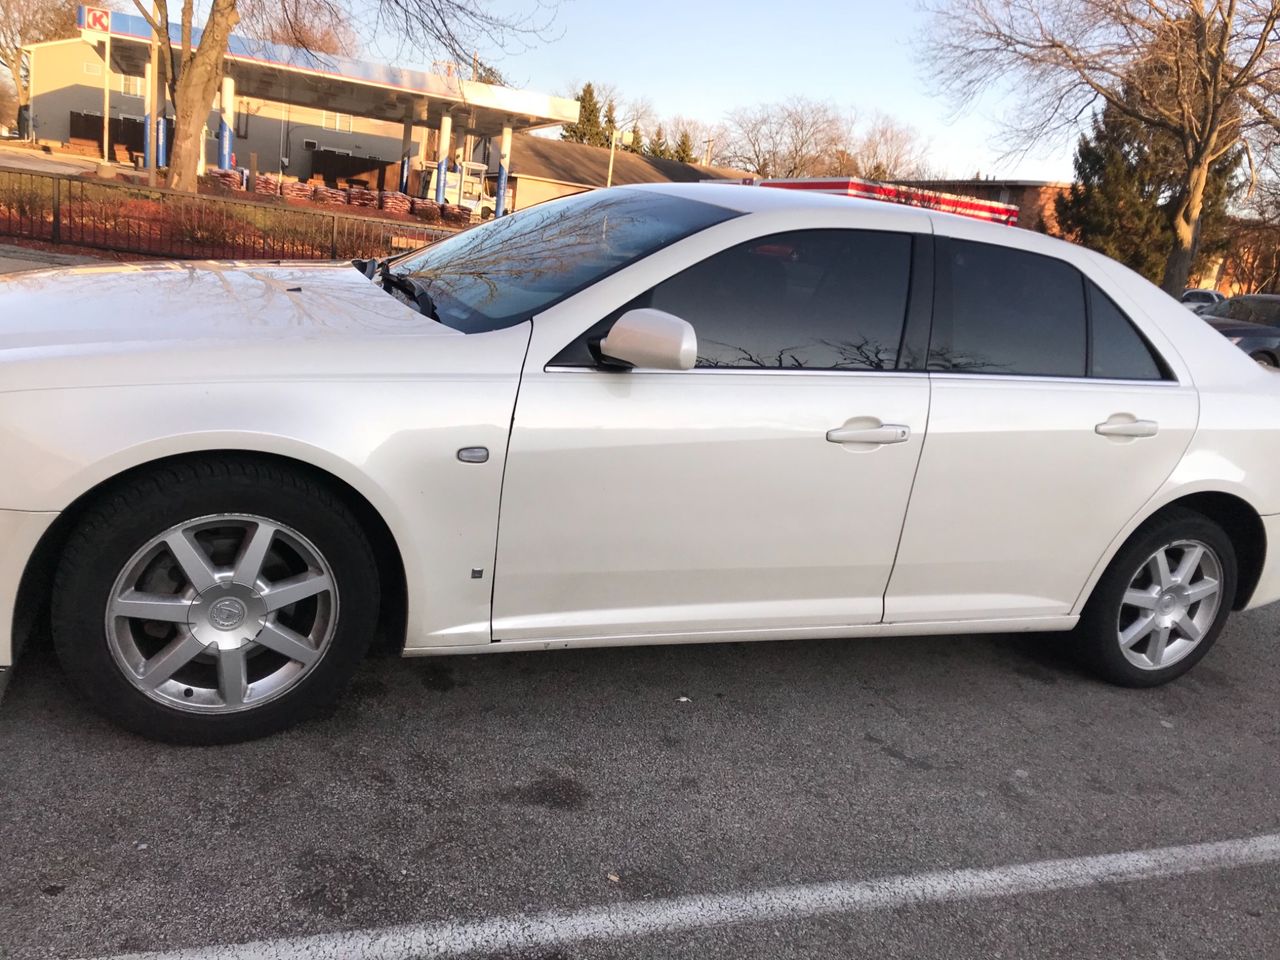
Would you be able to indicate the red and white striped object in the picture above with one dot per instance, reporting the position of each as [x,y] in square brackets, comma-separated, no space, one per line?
[1005,213]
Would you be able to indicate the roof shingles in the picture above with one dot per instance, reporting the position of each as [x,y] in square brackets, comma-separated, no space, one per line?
[547,159]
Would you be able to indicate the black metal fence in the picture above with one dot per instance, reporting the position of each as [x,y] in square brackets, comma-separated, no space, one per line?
[167,223]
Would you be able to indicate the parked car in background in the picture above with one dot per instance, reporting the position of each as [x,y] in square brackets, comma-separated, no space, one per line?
[1198,299]
[674,413]
[1252,323]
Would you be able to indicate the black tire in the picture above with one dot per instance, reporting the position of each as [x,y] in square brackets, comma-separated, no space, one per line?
[1263,358]
[131,512]
[1096,635]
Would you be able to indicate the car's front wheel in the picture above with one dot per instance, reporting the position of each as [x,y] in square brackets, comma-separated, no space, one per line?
[1162,601]
[213,601]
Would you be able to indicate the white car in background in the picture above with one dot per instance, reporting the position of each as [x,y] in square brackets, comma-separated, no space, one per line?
[1197,299]
[641,415]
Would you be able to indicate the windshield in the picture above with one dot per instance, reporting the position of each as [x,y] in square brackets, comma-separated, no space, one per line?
[501,273]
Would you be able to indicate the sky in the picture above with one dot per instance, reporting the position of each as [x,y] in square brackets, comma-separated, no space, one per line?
[702,59]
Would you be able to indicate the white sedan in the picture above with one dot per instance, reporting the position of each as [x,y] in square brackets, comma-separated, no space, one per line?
[643,415]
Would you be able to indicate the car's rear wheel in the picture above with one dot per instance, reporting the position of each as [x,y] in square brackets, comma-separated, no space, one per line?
[1162,601]
[214,601]
[1264,358]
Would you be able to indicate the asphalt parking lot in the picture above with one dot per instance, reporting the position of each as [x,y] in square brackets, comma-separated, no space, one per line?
[486,788]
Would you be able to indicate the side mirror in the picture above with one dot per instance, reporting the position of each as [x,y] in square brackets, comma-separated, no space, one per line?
[650,338]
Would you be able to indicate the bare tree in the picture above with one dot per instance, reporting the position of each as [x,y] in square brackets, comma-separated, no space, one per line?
[795,138]
[1206,72]
[886,150]
[31,21]
[452,28]
[314,25]
[192,74]
[637,112]
[1252,259]
[704,136]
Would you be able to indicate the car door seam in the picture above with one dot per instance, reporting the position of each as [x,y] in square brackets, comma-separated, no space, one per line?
[502,484]
[915,473]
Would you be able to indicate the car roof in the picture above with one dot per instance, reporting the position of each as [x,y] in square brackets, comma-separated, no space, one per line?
[1267,297]
[750,199]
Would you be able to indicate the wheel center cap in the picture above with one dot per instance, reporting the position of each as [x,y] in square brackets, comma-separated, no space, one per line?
[227,613]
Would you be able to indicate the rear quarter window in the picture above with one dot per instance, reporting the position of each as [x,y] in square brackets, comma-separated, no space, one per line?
[1116,350]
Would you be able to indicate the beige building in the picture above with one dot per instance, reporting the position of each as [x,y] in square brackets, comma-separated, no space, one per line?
[335,120]
[296,113]
[66,112]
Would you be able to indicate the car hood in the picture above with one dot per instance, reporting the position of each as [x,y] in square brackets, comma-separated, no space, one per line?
[164,322]
[1241,328]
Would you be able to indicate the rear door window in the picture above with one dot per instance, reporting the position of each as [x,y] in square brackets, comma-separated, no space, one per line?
[1011,312]
[1007,311]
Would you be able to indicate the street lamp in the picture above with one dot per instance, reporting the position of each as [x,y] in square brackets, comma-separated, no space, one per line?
[616,136]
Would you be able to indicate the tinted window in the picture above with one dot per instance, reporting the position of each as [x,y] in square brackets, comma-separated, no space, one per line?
[808,300]
[1011,312]
[1116,350]
[502,273]
[1256,310]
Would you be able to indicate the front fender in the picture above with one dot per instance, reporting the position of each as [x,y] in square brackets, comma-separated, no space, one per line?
[395,443]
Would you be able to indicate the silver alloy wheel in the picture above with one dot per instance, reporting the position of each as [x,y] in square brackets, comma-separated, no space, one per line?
[222,613]
[1170,604]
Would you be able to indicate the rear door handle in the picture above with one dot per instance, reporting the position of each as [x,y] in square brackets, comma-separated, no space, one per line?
[885,433]
[1125,425]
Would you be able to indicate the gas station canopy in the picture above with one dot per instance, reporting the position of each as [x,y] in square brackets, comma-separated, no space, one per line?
[362,88]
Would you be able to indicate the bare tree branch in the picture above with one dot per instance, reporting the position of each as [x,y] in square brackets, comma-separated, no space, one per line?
[1205,74]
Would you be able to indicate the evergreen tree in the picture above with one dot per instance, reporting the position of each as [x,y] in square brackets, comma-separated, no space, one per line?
[684,148]
[610,121]
[637,140]
[657,147]
[488,73]
[1127,192]
[589,129]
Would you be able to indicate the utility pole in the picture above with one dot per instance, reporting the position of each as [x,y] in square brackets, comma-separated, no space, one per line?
[615,136]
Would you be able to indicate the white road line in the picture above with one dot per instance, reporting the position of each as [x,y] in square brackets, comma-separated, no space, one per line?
[626,920]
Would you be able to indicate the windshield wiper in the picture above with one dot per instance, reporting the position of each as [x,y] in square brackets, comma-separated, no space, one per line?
[415,290]
[411,287]
[371,267]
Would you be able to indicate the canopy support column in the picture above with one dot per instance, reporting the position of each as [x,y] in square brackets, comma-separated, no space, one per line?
[406,148]
[106,98]
[442,154]
[162,134]
[504,166]
[226,109]
[148,120]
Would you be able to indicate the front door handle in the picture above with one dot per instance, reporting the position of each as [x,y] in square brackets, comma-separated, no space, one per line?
[882,434]
[1127,426]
